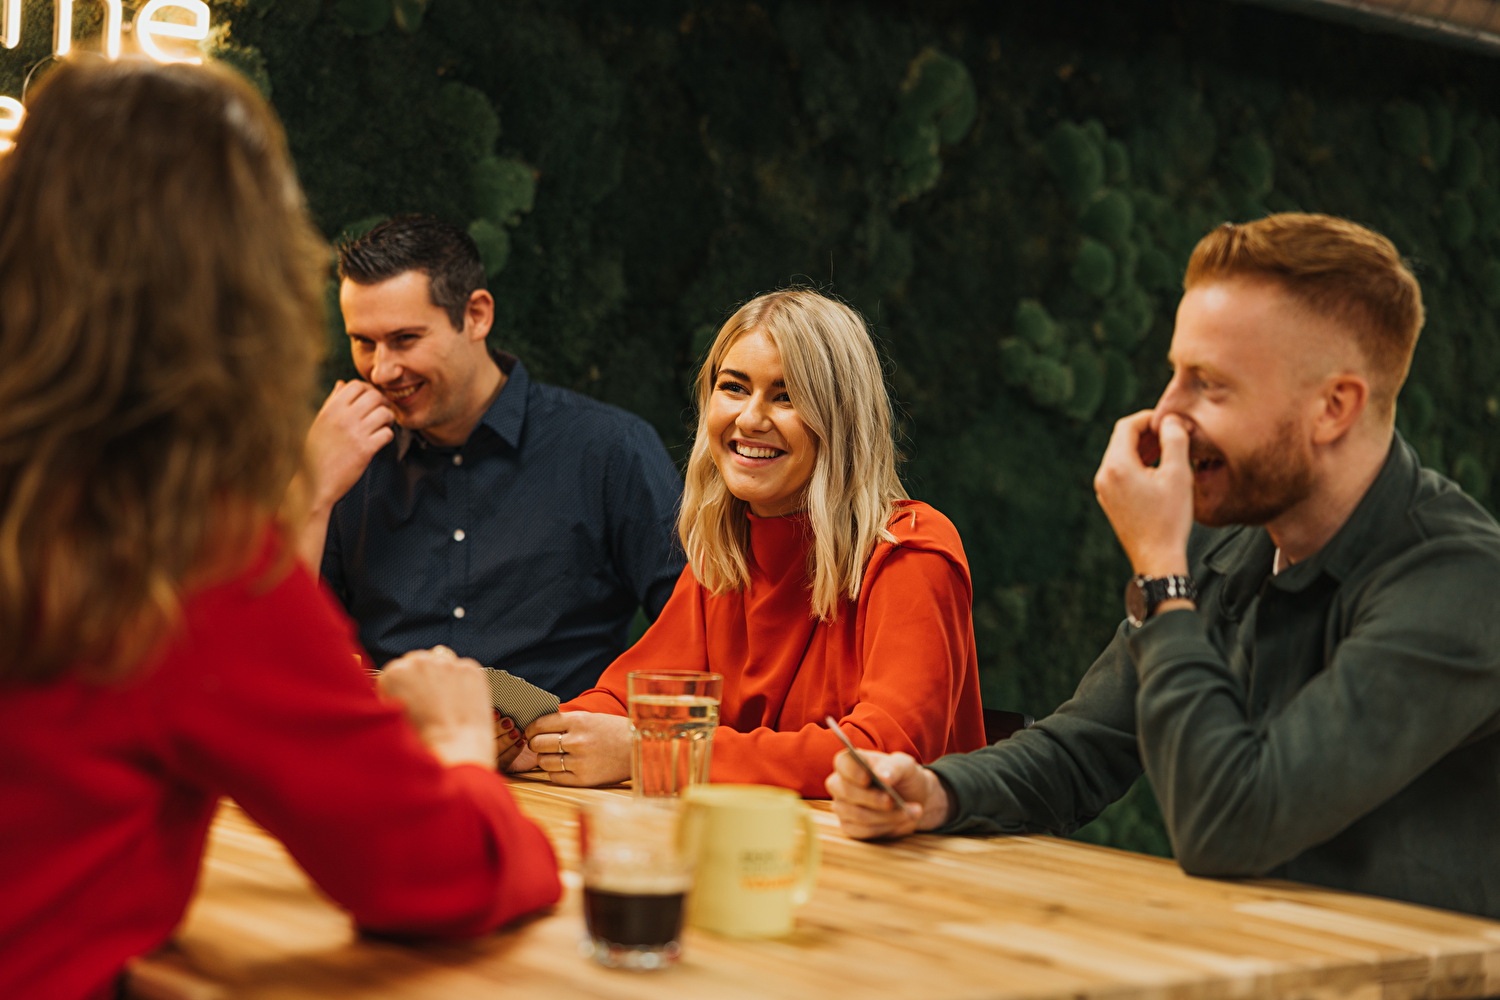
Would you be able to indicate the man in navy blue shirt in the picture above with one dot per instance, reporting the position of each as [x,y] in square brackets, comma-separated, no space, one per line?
[454,501]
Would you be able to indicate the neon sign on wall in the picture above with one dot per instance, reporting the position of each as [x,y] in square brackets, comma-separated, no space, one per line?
[165,30]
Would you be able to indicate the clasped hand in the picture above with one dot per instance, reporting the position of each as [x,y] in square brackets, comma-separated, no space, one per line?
[447,700]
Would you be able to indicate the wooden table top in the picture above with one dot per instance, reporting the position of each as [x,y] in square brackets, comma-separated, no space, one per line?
[926,917]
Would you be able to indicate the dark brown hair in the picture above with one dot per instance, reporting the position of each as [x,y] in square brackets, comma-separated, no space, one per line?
[1336,268]
[161,320]
[440,250]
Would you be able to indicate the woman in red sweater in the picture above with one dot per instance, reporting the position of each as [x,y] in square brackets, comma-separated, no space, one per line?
[160,322]
[814,585]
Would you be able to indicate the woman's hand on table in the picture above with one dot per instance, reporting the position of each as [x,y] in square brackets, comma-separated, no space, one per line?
[582,749]
[866,812]
[447,699]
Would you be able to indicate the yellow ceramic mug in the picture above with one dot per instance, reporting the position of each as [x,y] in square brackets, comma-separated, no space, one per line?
[757,852]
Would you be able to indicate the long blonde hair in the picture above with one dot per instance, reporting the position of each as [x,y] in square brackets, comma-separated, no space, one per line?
[161,315]
[834,379]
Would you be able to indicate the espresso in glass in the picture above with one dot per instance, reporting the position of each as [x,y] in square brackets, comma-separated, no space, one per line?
[642,916]
[636,875]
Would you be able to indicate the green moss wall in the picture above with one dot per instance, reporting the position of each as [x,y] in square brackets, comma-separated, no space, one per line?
[1007,191]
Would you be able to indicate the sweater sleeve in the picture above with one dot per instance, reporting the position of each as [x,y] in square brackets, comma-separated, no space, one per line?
[263,702]
[915,655]
[1062,772]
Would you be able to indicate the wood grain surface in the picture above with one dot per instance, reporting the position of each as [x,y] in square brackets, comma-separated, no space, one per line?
[926,917]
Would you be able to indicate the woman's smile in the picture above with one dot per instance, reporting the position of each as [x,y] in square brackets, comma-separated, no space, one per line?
[763,450]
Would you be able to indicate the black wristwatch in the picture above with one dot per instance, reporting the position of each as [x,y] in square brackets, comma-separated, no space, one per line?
[1144,594]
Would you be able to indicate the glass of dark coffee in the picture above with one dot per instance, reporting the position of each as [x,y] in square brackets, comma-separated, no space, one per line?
[636,873]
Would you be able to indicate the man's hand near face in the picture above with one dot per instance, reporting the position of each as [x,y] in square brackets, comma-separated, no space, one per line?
[353,424]
[1145,485]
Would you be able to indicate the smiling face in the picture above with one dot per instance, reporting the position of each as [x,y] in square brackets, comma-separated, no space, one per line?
[763,450]
[1241,362]
[437,379]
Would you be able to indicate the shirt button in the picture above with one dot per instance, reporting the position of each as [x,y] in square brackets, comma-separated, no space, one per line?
[458,612]
[458,460]
[458,535]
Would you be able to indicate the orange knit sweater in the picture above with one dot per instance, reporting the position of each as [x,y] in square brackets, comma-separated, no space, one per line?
[897,667]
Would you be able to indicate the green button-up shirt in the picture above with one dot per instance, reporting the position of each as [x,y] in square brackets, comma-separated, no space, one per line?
[1337,723]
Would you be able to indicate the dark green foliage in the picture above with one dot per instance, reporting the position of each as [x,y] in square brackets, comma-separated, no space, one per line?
[1128,319]
[1252,163]
[1458,220]
[1404,128]
[1464,164]
[296,13]
[408,14]
[1017,359]
[1109,217]
[1415,410]
[1050,382]
[1156,271]
[469,118]
[1470,473]
[1484,199]
[1116,162]
[1075,161]
[1489,283]
[1094,267]
[503,189]
[936,107]
[493,243]
[1120,386]
[363,17]
[1439,134]
[1088,382]
[1033,323]
[1015,234]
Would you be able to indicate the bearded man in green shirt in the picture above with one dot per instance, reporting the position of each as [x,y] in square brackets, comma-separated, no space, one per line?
[1311,676]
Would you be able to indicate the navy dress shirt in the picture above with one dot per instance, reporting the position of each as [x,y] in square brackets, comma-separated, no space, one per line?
[529,547]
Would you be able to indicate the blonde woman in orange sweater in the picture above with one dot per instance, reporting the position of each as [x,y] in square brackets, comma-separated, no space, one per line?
[814,584]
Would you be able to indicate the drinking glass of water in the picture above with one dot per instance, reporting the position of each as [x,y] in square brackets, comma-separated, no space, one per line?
[636,873]
[673,714]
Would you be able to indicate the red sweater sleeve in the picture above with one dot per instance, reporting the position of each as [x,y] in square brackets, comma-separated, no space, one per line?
[263,701]
[918,690]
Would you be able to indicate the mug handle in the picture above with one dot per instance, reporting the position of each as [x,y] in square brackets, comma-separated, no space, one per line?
[812,856]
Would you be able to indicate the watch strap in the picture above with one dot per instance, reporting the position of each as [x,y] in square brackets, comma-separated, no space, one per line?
[1144,594]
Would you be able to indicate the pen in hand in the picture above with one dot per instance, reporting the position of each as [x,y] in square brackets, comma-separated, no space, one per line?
[859,758]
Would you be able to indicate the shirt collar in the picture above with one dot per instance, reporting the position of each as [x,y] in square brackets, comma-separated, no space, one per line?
[506,415]
[1352,543]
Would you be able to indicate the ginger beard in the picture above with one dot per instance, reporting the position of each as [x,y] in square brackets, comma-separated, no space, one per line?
[1256,489]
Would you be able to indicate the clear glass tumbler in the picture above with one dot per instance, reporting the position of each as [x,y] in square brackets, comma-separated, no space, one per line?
[673,715]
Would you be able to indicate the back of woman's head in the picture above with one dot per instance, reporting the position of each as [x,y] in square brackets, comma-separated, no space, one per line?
[160,323]
[834,379]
